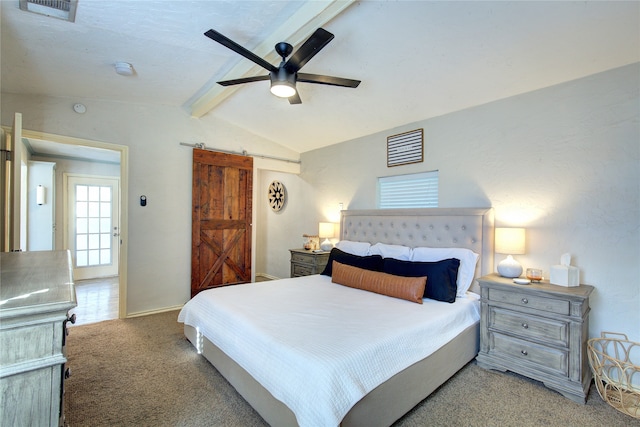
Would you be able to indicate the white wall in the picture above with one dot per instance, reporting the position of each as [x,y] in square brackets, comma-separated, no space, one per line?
[40,218]
[562,162]
[280,231]
[159,240]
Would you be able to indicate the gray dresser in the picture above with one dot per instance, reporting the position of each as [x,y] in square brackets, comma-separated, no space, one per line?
[36,295]
[537,330]
[305,263]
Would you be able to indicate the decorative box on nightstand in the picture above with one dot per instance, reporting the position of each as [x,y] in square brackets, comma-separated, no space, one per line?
[305,263]
[537,330]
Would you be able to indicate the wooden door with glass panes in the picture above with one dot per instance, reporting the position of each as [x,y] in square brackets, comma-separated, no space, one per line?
[93,225]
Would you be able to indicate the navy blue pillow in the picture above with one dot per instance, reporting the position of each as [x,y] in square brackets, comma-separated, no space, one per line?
[369,262]
[441,276]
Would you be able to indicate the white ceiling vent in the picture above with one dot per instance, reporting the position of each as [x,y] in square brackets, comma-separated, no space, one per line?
[61,9]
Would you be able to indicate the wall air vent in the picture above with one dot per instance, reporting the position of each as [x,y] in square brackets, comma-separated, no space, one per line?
[61,9]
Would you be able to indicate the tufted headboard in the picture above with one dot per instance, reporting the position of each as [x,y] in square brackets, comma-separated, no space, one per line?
[470,228]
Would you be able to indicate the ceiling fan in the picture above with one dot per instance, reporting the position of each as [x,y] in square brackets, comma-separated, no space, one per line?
[284,77]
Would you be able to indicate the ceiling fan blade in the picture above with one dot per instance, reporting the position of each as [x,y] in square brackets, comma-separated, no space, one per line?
[243,80]
[295,99]
[327,80]
[216,36]
[319,39]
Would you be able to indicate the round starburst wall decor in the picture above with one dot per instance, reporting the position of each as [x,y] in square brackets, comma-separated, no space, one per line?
[277,196]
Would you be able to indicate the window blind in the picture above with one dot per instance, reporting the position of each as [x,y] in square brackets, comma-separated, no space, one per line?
[419,190]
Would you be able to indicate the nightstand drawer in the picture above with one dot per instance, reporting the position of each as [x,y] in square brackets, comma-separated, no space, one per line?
[522,299]
[529,327]
[301,257]
[520,352]
[301,270]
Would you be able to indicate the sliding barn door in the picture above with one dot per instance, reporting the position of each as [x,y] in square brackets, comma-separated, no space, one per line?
[221,225]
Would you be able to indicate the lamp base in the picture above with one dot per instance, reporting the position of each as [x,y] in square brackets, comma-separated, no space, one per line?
[509,267]
[326,245]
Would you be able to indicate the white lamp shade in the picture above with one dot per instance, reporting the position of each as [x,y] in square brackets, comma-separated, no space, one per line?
[510,241]
[325,229]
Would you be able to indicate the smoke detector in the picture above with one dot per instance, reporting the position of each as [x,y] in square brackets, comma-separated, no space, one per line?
[61,9]
[124,68]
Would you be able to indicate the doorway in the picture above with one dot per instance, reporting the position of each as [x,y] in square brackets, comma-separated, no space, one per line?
[97,300]
[93,237]
[104,297]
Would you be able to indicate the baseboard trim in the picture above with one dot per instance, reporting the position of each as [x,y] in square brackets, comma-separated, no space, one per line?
[158,311]
[178,307]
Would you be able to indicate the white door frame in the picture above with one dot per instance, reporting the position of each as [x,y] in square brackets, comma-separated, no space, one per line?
[124,197]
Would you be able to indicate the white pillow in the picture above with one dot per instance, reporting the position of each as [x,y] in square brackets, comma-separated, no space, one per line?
[391,251]
[468,260]
[354,248]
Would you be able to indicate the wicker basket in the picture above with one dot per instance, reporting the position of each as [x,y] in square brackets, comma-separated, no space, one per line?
[614,362]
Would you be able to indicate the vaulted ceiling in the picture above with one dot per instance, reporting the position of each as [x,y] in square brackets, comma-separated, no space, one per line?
[416,59]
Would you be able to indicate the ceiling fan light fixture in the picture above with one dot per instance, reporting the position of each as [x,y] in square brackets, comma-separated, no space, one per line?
[283,78]
[282,90]
[283,84]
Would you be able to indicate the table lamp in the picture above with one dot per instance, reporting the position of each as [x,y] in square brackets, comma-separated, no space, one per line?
[510,241]
[326,230]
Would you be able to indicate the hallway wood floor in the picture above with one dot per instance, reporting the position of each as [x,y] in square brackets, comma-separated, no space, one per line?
[97,300]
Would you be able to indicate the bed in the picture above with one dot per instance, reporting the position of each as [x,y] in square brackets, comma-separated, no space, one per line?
[387,381]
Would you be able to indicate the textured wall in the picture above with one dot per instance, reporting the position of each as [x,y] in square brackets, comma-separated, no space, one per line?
[159,239]
[561,161]
[280,231]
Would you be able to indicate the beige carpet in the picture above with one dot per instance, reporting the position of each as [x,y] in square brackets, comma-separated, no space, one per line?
[143,372]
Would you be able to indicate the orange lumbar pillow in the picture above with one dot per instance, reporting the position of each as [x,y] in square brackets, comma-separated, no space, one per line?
[408,288]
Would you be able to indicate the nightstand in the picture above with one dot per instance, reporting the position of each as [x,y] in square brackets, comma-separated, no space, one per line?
[305,263]
[537,330]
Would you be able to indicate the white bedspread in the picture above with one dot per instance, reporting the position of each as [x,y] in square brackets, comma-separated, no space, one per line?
[320,347]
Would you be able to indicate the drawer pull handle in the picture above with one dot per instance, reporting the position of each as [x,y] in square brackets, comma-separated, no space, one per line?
[71,319]
[525,325]
[524,352]
[525,301]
